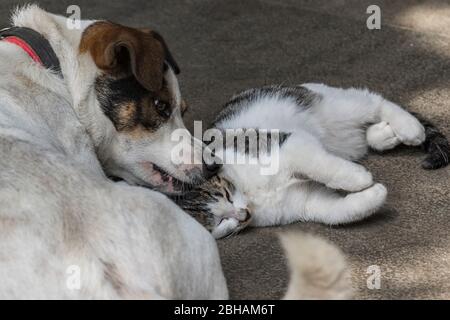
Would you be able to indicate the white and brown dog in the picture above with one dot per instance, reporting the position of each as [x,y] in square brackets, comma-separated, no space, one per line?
[66,230]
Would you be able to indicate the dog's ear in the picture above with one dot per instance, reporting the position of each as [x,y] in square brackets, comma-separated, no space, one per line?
[117,49]
[184,107]
[170,60]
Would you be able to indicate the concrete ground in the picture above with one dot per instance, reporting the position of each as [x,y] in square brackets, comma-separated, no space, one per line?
[224,47]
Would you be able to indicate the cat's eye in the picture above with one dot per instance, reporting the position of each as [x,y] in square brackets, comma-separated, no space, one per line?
[162,107]
[227,194]
[218,194]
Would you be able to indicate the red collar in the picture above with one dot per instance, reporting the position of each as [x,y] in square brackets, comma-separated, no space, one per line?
[25,47]
[34,44]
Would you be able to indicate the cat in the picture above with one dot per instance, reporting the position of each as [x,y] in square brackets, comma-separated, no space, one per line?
[323,131]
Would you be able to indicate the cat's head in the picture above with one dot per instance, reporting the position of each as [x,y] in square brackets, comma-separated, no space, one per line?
[218,206]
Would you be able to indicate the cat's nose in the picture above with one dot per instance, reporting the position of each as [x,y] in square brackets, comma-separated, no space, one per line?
[210,170]
[244,215]
[248,215]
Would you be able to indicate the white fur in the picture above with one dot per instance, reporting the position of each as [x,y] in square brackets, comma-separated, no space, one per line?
[318,269]
[317,158]
[58,209]
[120,155]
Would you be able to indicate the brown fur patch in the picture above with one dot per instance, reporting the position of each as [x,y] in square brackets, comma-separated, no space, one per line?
[127,115]
[130,107]
[137,133]
[133,64]
[117,49]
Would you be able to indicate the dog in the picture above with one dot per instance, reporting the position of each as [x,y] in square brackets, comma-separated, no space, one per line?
[110,112]
[80,106]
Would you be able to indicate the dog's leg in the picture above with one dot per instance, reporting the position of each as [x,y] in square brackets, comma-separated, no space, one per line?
[327,206]
[303,153]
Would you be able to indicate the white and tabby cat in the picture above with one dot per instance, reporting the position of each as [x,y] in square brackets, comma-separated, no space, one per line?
[324,130]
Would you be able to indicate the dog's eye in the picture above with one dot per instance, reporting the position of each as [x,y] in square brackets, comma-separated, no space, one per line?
[162,108]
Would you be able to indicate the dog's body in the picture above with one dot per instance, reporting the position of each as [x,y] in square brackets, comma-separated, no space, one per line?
[60,217]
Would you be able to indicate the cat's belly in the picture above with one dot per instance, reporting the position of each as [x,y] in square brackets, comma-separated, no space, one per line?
[269,206]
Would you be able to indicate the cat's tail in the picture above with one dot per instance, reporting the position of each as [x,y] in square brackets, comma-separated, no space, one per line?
[318,268]
[435,145]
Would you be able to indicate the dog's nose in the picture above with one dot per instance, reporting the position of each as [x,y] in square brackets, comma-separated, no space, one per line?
[210,170]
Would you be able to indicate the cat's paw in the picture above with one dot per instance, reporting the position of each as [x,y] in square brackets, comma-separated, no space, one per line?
[225,228]
[381,137]
[365,203]
[352,178]
[372,198]
[408,129]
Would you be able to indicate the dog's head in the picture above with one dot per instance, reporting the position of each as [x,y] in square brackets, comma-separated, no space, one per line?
[137,93]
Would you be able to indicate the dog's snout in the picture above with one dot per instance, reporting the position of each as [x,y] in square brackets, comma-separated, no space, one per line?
[210,170]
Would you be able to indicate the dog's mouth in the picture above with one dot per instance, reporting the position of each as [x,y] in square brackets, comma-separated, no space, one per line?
[156,178]
[171,185]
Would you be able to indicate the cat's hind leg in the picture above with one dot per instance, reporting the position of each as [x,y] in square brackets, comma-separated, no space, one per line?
[391,124]
[397,126]
[327,206]
[404,125]
[361,107]
[381,137]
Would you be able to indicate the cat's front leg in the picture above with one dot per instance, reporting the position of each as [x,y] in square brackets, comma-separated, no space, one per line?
[348,176]
[304,154]
[327,206]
